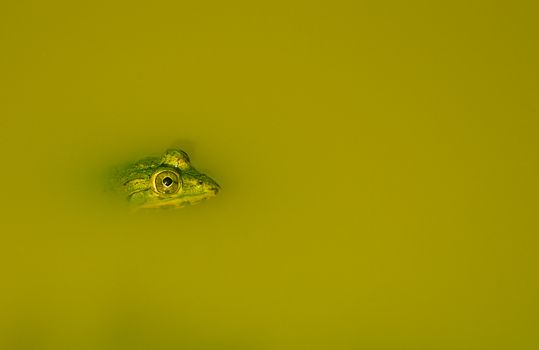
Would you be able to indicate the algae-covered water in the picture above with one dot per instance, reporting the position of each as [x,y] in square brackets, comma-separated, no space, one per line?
[378,164]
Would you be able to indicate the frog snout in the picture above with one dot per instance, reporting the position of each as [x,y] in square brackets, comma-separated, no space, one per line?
[215,187]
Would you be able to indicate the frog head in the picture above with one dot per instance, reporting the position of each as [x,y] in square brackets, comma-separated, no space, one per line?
[167,182]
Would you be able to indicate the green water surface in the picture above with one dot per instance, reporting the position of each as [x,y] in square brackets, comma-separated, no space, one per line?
[378,164]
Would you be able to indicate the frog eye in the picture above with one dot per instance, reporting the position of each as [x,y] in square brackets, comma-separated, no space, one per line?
[166,182]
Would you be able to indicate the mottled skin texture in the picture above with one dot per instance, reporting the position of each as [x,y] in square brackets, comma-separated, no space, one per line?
[167,182]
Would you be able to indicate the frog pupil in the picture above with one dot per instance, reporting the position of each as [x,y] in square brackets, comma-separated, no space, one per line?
[167,181]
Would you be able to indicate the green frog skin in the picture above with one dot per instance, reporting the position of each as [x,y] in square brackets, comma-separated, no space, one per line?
[167,182]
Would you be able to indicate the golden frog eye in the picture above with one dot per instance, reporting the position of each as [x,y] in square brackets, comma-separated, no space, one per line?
[166,182]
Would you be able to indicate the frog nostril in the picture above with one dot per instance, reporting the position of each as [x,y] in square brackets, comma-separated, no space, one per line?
[167,181]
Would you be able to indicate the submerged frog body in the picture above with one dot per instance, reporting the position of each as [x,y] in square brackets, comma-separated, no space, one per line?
[167,182]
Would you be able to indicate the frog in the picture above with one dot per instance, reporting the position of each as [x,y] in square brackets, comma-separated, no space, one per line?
[168,181]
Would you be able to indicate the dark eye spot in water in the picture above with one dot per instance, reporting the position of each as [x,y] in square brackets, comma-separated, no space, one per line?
[167,181]
[199,182]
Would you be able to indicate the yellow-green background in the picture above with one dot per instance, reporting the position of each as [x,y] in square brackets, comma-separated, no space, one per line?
[378,161]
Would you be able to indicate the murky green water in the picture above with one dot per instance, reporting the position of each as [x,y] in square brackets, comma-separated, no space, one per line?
[378,165]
